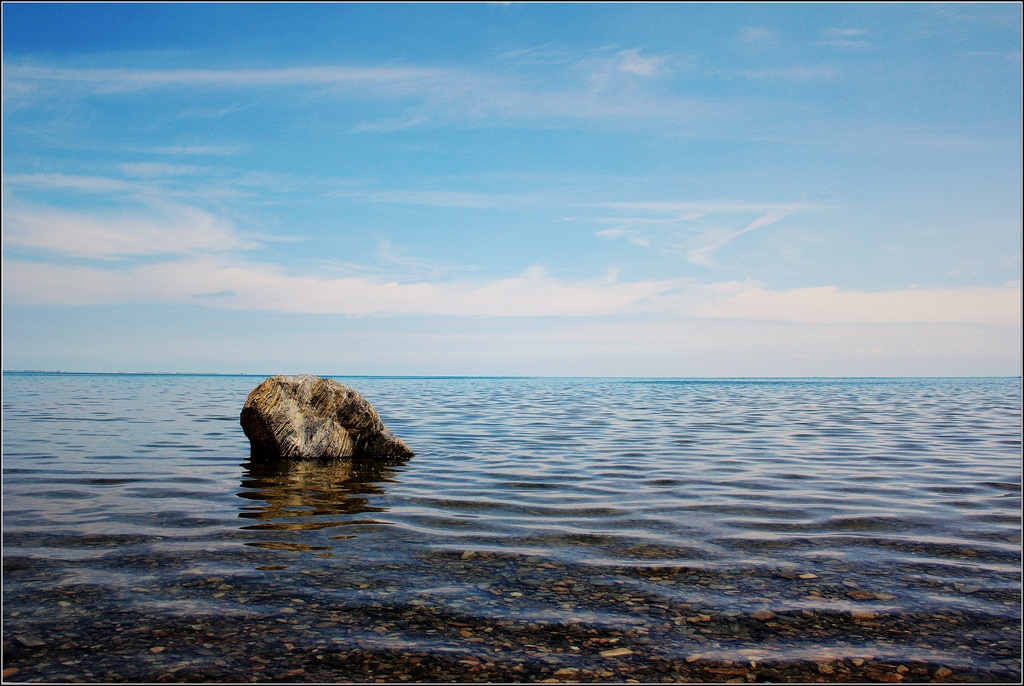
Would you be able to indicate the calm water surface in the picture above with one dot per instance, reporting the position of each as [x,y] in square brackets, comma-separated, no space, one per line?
[871,517]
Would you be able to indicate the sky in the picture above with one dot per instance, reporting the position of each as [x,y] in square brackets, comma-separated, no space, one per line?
[681,190]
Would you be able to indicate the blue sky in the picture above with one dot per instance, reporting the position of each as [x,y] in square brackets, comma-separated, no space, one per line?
[552,189]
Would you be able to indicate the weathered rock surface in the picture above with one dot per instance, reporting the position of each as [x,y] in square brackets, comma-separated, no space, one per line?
[306,417]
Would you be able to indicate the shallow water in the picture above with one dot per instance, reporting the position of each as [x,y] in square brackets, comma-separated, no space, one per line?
[557,519]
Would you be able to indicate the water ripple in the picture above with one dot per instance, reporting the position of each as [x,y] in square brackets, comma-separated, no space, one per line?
[868,488]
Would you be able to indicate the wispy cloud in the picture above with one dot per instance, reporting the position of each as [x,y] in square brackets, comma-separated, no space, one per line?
[197,150]
[74,182]
[430,198]
[701,253]
[540,55]
[1013,55]
[711,206]
[613,72]
[673,226]
[162,228]
[757,34]
[395,261]
[845,32]
[792,74]
[159,169]
[845,38]
[128,78]
[148,183]
[602,60]
[599,87]
[844,43]
[152,181]
[632,235]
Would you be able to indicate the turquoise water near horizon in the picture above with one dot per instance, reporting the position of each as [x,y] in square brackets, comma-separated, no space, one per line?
[821,497]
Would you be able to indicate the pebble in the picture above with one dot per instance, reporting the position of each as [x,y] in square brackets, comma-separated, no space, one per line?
[390,631]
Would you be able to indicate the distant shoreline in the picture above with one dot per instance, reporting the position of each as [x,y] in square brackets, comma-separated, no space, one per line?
[60,372]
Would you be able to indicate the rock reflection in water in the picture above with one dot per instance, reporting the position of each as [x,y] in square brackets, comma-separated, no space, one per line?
[297,496]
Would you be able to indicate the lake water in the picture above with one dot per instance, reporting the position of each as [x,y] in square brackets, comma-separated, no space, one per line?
[570,529]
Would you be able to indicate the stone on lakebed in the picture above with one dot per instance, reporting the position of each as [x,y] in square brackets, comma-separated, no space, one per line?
[306,418]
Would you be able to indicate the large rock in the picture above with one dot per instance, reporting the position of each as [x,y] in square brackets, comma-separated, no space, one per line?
[306,417]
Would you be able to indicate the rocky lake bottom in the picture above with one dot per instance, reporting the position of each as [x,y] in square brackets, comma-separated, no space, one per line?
[596,530]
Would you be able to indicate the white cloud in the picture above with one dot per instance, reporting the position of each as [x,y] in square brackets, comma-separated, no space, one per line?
[633,62]
[530,294]
[162,228]
[239,285]
[221,282]
[999,306]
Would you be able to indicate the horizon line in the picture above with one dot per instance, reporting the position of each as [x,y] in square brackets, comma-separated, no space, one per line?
[506,376]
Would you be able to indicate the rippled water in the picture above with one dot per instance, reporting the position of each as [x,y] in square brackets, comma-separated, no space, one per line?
[871,517]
